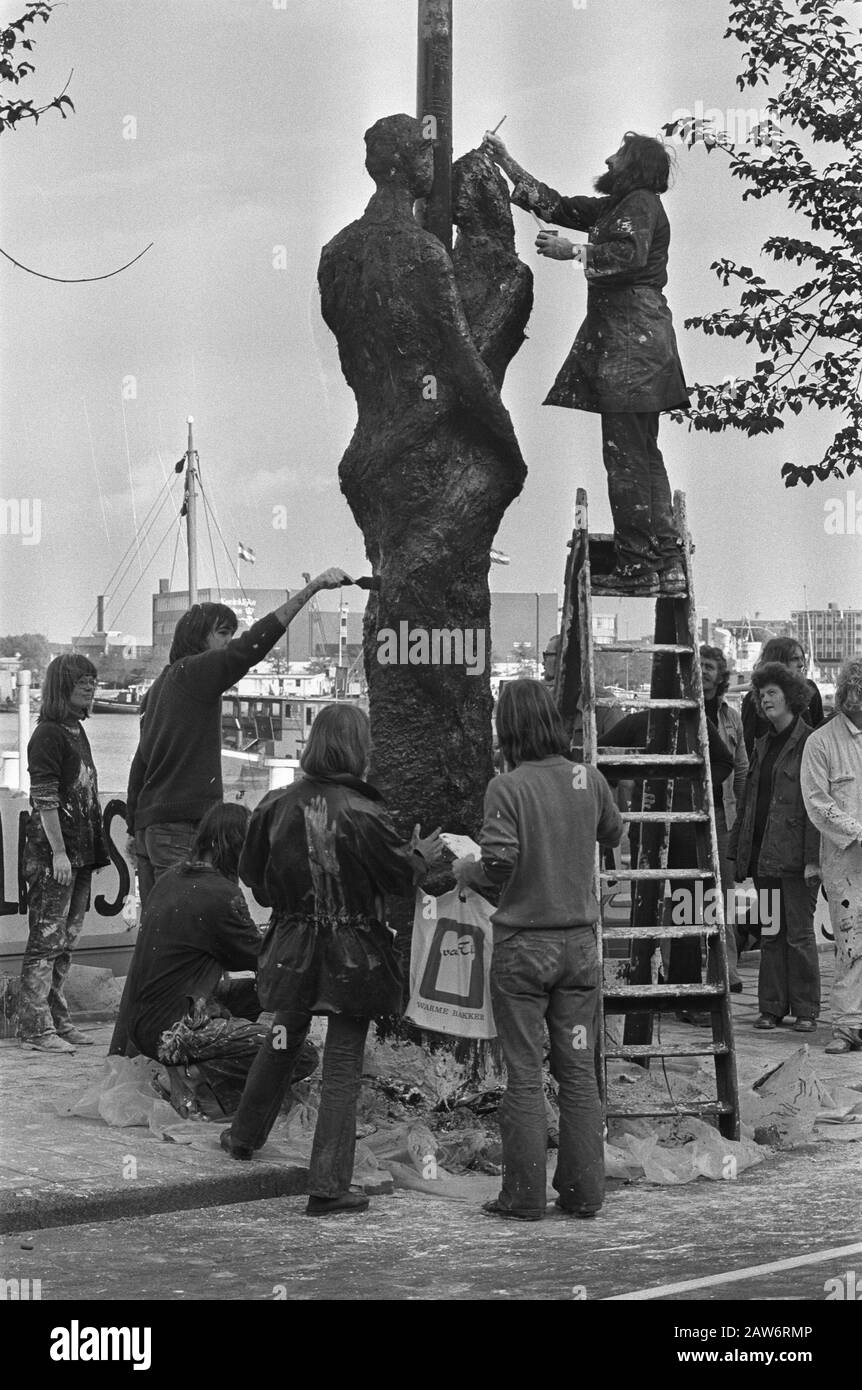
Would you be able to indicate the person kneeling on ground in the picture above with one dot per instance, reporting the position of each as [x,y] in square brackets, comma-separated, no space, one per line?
[195,926]
[543,817]
[322,853]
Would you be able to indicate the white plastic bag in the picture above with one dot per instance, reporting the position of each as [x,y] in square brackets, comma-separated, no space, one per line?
[450,963]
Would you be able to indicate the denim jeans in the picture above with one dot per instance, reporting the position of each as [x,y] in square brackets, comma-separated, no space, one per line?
[334,1146]
[789,979]
[538,975]
[159,848]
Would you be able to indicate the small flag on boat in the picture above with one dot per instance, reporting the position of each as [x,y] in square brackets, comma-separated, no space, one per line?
[498,558]
[245,552]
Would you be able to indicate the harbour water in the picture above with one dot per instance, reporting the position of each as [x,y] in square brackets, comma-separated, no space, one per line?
[113,739]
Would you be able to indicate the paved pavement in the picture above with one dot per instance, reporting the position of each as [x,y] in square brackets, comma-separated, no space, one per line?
[57,1171]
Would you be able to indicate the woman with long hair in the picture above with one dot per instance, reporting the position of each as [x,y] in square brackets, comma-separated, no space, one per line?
[792,655]
[322,853]
[774,841]
[624,364]
[176,771]
[65,844]
[543,817]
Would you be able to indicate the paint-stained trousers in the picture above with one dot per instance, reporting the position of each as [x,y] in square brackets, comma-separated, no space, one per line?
[842,882]
[56,914]
[550,975]
[639,491]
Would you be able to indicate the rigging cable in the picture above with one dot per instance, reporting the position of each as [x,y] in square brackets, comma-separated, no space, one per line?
[129,547]
[131,592]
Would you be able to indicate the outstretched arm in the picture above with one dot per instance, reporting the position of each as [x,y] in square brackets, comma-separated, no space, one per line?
[532,195]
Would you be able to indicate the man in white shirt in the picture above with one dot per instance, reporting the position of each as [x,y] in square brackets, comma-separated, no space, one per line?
[832,790]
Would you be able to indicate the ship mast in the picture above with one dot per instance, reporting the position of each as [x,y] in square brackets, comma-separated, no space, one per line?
[191,516]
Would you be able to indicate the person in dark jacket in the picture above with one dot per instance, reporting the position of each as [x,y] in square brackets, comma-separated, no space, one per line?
[176,771]
[65,844]
[195,927]
[789,652]
[774,841]
[624,364]
[543,817]
[322,853]
[685,959]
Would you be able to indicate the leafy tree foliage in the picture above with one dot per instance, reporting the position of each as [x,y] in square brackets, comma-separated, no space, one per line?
[33,648]
[810,337]
[14,69]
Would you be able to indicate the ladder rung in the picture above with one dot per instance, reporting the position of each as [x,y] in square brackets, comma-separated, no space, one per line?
[652,759]
[611,702]
[632,648]
[630,875]
[675,816]
[692,1107]
[668,1050]
[662,993]
[659,933]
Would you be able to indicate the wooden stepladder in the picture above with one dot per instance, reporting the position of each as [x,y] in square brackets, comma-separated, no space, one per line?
[673,771]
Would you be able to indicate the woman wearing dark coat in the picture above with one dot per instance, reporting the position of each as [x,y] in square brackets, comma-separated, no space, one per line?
[788,651]
[322,853]
[624,363]
[774,841]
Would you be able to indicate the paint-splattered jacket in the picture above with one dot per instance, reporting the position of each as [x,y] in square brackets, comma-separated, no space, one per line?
[63,779]
[322,853]
[624,357]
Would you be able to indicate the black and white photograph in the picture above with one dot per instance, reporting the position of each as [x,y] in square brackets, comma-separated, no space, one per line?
[431,668]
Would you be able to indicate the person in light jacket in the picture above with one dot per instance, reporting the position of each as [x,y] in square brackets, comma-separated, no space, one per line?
[774,841]
[832,789]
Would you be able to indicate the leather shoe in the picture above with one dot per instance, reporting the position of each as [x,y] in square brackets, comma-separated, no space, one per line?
[805,1025]
[765,1021]
[235,1150]
[583,1212]
[76,1038]
[345,1202]
[46,1042]
[495,1208]
[842,1044]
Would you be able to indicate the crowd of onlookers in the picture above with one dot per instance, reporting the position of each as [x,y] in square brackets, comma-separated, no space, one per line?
[323,853]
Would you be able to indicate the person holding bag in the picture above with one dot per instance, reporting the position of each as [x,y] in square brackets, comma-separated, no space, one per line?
[322,853]
[543,817]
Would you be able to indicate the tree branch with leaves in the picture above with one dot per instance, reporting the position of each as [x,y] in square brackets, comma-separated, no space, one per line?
[15,69]
[810,336]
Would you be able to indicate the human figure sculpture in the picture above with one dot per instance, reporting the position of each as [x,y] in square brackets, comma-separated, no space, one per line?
[433,462]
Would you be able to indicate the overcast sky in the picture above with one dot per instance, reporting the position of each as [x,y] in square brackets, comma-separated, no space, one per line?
[247,119]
